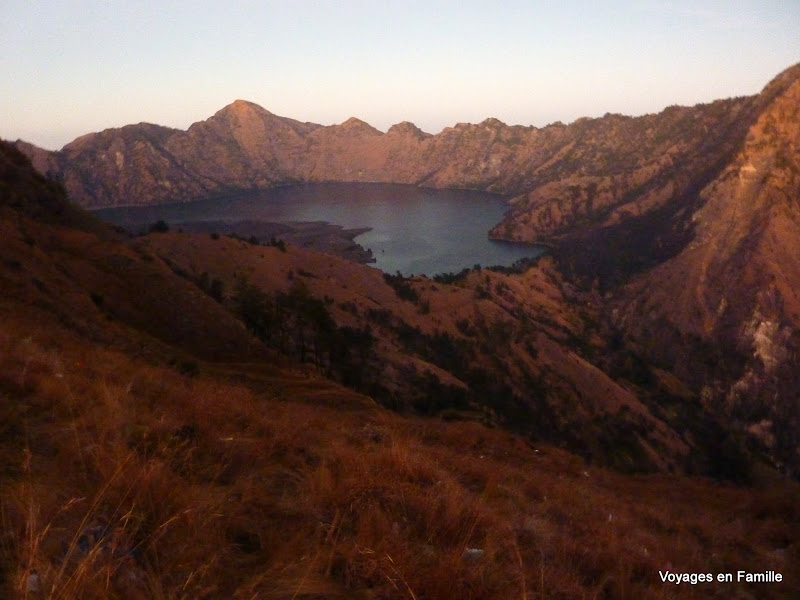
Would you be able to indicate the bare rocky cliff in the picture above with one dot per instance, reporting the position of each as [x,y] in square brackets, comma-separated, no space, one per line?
[726,309]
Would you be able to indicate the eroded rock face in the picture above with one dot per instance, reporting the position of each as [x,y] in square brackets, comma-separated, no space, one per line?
[742,260]
[733,293]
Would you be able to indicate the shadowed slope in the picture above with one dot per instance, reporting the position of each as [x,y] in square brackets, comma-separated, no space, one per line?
[727,307]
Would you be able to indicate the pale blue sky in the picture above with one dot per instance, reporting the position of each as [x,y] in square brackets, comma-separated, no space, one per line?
[72,67]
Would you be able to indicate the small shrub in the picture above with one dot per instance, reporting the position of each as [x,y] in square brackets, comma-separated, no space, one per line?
[160,226]
[448,278]
[278,243]
[401,286]
[349,307]
[189,367]
[481,293]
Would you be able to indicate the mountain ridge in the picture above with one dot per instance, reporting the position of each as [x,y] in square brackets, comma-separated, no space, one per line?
[512,160]
[734,285]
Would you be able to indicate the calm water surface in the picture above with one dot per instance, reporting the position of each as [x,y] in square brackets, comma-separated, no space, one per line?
[413,230]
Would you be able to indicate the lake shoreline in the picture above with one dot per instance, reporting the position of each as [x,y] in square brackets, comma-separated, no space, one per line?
[395,227]
[320,236]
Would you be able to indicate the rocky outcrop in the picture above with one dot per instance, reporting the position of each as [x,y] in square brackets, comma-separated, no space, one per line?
[726,309]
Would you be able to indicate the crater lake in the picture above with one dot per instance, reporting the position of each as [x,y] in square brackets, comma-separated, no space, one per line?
[412,230]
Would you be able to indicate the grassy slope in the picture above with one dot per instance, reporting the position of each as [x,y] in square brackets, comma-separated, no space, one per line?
[517,331]
[123,477]
[126,479]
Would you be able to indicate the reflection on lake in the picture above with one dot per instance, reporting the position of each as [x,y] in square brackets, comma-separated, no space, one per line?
[413,230]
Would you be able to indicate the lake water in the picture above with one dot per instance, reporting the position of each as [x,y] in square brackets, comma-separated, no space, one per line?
[413,230]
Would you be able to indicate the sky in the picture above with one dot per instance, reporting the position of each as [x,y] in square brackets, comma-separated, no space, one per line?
[71,67]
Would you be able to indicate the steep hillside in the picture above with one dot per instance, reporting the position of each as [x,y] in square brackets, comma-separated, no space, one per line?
[503,349]
[519,350]
[732,293]
[127,480]
[154,445]
[686,221]
[27,192]
[640,226]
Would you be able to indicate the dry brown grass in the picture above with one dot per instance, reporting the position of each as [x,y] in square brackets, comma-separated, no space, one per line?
[123,479]
[518,330]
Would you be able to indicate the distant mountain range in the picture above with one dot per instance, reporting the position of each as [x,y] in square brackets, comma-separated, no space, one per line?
[684,226]
[593,165]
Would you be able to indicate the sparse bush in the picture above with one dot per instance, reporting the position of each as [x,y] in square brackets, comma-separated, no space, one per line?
[380,316]
[482,293]
[278,243]
[401,286]
[211,286]
[349,307]
[189,367]
[449,278]
[464,326]
[159,226]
